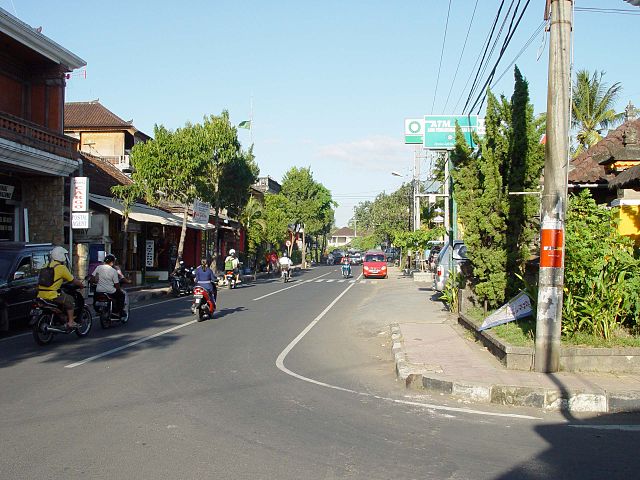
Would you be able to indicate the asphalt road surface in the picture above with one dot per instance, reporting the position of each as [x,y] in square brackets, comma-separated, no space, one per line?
[290,381]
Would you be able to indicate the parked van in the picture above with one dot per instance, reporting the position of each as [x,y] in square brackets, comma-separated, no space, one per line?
[444,264]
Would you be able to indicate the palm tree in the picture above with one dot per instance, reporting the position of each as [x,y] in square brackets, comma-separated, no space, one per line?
[251,216]
[592,108]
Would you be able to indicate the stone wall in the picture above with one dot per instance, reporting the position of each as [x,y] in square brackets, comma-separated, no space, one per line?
[44,197]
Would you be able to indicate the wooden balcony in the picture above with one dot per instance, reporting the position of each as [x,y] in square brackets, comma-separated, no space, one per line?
[33,135]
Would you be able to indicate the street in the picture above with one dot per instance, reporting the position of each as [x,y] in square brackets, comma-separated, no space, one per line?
[286,381]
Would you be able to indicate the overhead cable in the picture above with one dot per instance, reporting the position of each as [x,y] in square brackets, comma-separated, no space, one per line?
[444,40]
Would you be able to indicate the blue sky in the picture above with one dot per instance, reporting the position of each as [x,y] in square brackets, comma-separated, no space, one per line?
[331,81]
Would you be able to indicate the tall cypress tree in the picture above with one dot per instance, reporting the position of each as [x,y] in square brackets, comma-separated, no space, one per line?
[526,159]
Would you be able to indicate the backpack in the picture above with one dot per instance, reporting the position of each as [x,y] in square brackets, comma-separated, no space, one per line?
[228,265]
[46,277]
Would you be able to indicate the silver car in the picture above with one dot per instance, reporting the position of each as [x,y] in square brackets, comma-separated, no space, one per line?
[443,265]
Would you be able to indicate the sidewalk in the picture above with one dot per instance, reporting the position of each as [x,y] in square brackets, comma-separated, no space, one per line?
[433,353]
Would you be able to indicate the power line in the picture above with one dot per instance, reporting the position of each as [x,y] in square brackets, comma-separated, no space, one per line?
[537,32]
[619,11]
[487,41]
[455,75]
[506,43]
[444,41]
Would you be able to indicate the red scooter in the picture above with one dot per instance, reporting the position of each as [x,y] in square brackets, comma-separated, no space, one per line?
[203,304]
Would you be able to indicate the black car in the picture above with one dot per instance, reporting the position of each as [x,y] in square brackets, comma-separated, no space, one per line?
[20,264]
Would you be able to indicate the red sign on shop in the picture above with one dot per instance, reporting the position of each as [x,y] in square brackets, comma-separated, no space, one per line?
[80,200]
[551,245]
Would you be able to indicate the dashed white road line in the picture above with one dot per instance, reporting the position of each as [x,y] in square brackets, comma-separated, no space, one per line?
[127,345]
[292,286]
[294,342]
[329,280]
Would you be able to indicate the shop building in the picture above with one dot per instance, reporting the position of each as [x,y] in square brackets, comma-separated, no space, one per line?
[36,158]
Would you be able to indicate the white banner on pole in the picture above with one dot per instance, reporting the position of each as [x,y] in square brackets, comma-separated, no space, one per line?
[150,253]
[80,198]
[200,212]
[518,307]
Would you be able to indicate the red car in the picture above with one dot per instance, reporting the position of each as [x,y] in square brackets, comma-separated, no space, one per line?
[374,264]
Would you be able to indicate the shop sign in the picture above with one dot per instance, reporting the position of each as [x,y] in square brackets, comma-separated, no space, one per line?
[80,201]
[6,191]
[200,212]
[80,220]
[149,253]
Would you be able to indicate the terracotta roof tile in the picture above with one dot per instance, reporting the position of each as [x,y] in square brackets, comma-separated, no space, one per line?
[343,232]
[91,114]
[102,175]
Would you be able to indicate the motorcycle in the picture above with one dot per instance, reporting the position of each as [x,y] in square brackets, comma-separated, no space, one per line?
[286,274]
[346,270]
[182,281]
[48,318]
[204,305]
[103,305]
[230,279]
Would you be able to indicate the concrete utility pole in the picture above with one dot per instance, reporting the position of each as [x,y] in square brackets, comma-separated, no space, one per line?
[554,196]
[416,189]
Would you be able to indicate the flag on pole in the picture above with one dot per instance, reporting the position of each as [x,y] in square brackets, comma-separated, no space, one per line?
[245,124]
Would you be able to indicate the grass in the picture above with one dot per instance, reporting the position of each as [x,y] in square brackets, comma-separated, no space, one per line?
[522,333]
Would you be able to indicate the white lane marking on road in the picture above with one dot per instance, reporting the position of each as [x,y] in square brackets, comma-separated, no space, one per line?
[329,280]
[157,303]
[130,344]
[292,286]
[294,342]
[132,308]
[320,281]
[352,281]
[341,281]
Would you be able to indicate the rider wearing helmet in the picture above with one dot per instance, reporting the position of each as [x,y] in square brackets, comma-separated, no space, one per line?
[285,261]
[205,278]
[108,280]
[231,263]
[61,273]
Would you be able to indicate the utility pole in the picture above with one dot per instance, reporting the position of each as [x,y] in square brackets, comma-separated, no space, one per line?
[554,195]
[416,189]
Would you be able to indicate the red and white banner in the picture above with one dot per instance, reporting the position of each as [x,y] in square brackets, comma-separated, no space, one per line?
[80,200]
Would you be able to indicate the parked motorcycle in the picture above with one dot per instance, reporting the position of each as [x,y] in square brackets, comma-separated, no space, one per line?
[182,281]
[48,318]
[103,305]
[204,305]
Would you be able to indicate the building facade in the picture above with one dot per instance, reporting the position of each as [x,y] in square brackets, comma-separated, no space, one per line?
[36,158]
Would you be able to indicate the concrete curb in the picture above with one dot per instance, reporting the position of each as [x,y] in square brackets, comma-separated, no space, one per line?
[421,377]
[141,295]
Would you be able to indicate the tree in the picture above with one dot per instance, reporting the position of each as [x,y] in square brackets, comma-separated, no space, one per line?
[592,109]
[522,174]
[276,207]
[172,167]
[230,170]
[127,194]
[308,204]
[482,206]
[252,219]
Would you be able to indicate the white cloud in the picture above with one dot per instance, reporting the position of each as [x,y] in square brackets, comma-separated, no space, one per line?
[376,153]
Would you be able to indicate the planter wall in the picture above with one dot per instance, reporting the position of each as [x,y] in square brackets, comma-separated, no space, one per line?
[572,359]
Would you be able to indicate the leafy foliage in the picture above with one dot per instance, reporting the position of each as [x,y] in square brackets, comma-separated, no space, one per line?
[385,215]
[592,108]
[602,280]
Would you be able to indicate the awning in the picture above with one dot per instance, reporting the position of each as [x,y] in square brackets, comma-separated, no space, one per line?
[145,213]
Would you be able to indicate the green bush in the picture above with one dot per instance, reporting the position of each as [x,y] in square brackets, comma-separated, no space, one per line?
[296,257]
[602,278]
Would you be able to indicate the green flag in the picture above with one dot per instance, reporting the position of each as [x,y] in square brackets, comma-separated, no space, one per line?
[246,124]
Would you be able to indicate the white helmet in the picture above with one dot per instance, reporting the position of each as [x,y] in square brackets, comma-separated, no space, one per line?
[232,252]
[59,254]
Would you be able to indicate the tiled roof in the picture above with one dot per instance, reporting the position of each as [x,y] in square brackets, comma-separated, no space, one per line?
[620,144]
[91,114]
[343,232]
[102,175]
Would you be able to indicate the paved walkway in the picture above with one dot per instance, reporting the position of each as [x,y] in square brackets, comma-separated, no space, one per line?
[433,352]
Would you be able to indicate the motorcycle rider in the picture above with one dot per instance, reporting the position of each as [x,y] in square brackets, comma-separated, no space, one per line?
[346,264]
[285,262]
[206,279]
[52,293]
[231,264]
[108,281]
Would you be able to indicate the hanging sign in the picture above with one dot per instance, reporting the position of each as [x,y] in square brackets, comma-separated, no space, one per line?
[150,253]
[518,307]
[80,200]
[80,220]
[6,191]
[200,212]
